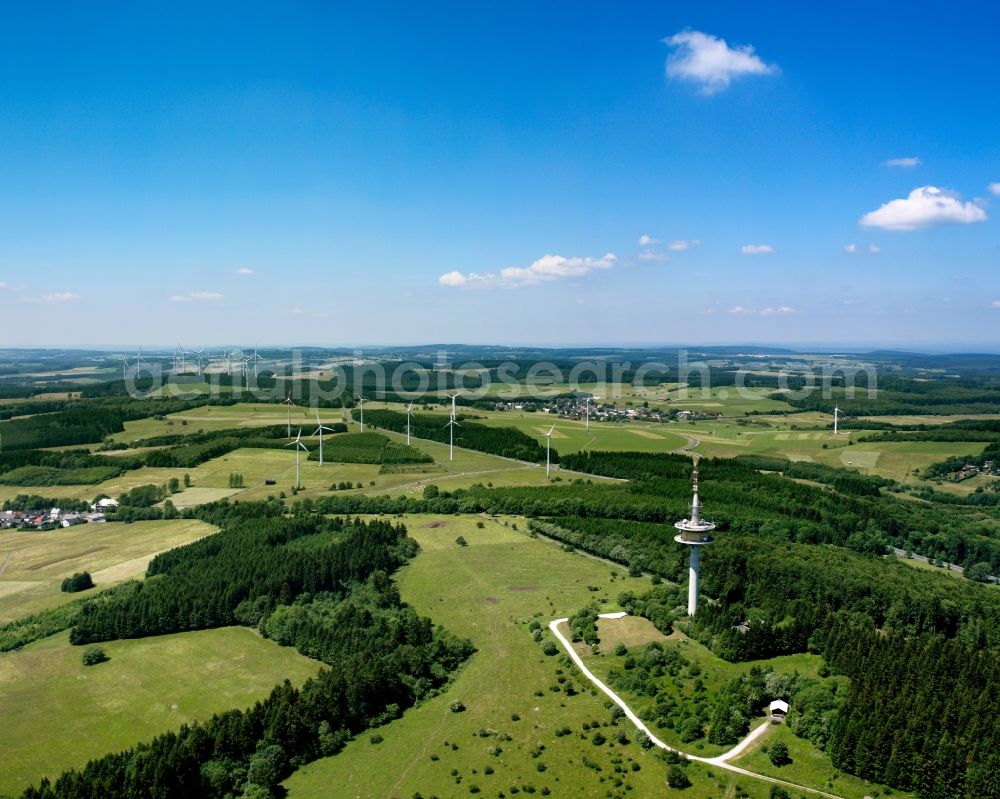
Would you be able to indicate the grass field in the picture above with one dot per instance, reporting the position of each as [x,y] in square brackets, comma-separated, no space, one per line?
[58,713]
[514,696]
[808,766]
[35,563]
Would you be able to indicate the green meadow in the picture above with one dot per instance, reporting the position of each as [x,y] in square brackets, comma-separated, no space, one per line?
[518,703]
[59,713]
[35,563]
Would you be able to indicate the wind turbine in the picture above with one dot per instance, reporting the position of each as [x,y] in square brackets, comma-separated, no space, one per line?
[179,354]
[836,419]
[320,427]
[451,424]
[361,403]
[409,413]
[548,448]
[289,403]
[255,358]
[299,447]
[124,367]
[588,409]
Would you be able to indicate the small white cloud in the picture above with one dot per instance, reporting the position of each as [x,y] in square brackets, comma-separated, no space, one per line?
[910,162]
[995,304]
[645,241]
[874,248]
[453,278]
[3,285]
[196,296]
[710,62]
[581,302]
[851,248]
[545,269]
[756,249]
[994,188]
[680,244]
[297,312]
[243,270]
[58,296]
[925,206]
[652,255]
[782,310]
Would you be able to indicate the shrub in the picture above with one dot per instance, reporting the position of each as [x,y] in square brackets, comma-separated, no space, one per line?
[80,581]
[677,778]
[93,655]
[457,707]
[779,753]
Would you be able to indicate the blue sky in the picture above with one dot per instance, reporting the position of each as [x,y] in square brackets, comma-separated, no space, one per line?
[303,173]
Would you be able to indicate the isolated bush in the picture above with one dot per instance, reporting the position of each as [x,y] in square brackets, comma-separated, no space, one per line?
[93,655]
[80,581]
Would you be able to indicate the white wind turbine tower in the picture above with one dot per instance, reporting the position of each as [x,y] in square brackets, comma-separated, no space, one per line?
[255,359]
[200,362]
[179,362]
[452,423]
[361,404]
[320,427]
[588,409]
[124,367]
[138,360]
[548,449]
[836,419]
[299,447]
[289,403]
[409,413]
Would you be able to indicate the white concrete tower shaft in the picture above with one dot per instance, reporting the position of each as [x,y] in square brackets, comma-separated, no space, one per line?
[695,533]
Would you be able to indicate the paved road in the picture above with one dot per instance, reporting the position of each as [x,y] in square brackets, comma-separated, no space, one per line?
[720,761]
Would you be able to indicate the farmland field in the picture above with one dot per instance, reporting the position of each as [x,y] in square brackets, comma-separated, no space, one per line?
[36,562]
[59,713]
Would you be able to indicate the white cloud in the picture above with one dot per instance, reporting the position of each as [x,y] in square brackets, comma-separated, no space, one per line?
[994,188]
[653,255]
[912,161]
[874,248]
[453,278]
[297,312]
[645,241]
[545,269]
[781,310]
[196,296]
[756,249]
[995,304]
[243,270]
[3,285]
[851,248]
[58,296]
[924,207]
[680,244]
[710,62]
[581,302]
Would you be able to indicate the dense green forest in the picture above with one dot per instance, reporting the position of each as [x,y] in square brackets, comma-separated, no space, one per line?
[369,448]
[39,467]
[259,560]
[507,442]
[903,396]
